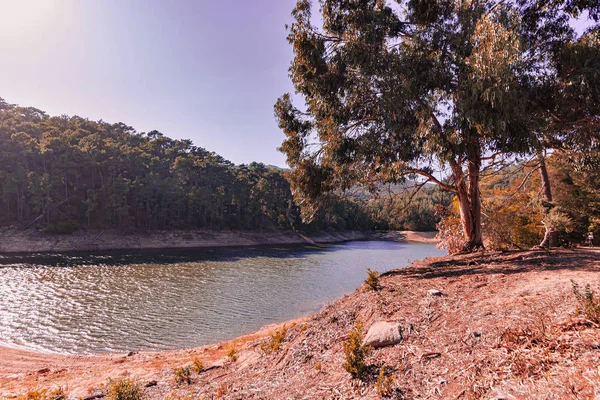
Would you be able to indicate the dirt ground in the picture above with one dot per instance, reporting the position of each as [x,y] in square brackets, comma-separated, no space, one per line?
[506,327]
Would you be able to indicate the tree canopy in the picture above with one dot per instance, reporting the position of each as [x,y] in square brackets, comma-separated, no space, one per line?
[394,90]
[65,173]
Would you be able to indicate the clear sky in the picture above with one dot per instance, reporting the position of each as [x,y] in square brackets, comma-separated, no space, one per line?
[205,70]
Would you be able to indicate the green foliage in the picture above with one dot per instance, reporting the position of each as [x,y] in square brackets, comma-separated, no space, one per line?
[391,93]
[275,341]
[61,228]
[355,352]
[588,302]
[123,389]
[64,173]
[404,212]
[182,375]
[372,280]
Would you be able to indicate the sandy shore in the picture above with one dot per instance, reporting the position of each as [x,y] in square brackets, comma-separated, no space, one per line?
[18,241]
[83,375]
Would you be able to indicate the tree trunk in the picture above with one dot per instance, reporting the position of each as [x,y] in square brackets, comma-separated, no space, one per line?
[550,236]
[469,202]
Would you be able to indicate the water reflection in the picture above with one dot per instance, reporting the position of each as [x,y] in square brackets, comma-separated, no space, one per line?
[119,301]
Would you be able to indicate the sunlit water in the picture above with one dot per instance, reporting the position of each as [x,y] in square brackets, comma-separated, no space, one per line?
[85,303]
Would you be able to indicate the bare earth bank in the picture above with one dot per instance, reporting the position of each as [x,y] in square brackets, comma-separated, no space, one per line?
[19,241]
[506,326]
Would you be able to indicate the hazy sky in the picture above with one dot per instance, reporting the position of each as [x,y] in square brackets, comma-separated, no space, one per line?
[205,70]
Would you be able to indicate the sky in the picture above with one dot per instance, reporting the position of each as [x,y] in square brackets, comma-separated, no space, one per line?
[204,70]
[209,71]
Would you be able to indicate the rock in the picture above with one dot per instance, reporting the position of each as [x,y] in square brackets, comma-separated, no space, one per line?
[434,292]
[131,353]
[44,371]
[383,334]
[151,383]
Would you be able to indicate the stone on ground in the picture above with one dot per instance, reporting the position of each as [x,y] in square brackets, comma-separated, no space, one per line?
[383,334]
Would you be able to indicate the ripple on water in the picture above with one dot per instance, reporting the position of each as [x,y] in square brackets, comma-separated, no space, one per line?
[84,303]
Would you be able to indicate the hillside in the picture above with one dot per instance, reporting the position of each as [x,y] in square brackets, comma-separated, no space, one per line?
[506,327]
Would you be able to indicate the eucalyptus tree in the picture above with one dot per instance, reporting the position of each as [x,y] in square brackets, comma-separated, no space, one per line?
[391,90]
[567,86]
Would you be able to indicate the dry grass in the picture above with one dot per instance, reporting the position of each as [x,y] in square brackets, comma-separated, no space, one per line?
[58,393]
[123,389]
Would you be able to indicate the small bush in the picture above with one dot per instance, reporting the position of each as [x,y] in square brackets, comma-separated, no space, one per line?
[232,354]
[183,375]
[589,303]
[384,385]
[372,280]
[275,342]
[355,352]
[318,366]
[58,393]
[43,394]
[123,389]
[197,366]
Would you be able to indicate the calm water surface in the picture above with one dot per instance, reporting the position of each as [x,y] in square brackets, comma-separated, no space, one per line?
[121,301]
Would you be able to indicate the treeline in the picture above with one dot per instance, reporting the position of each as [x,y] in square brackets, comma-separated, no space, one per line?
[409,209]
[66,173]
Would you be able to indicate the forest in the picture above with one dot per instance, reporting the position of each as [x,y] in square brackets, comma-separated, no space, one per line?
[62,174]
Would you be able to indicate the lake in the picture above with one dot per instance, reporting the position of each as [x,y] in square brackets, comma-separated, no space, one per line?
[171,299]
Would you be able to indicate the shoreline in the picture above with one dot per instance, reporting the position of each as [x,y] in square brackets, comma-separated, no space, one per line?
[13,241]
[23,369]
[485,296]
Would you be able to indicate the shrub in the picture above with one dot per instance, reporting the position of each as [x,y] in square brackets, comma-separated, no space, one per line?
[589,303]
[58,393]
[384,385]
[372,280]
[197,366]
[123,389]
[183,375]
[232,354]
[40,394]
[318,366]
[355,352]
[275,342]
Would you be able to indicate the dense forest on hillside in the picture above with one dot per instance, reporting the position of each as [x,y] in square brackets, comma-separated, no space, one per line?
[66,173]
